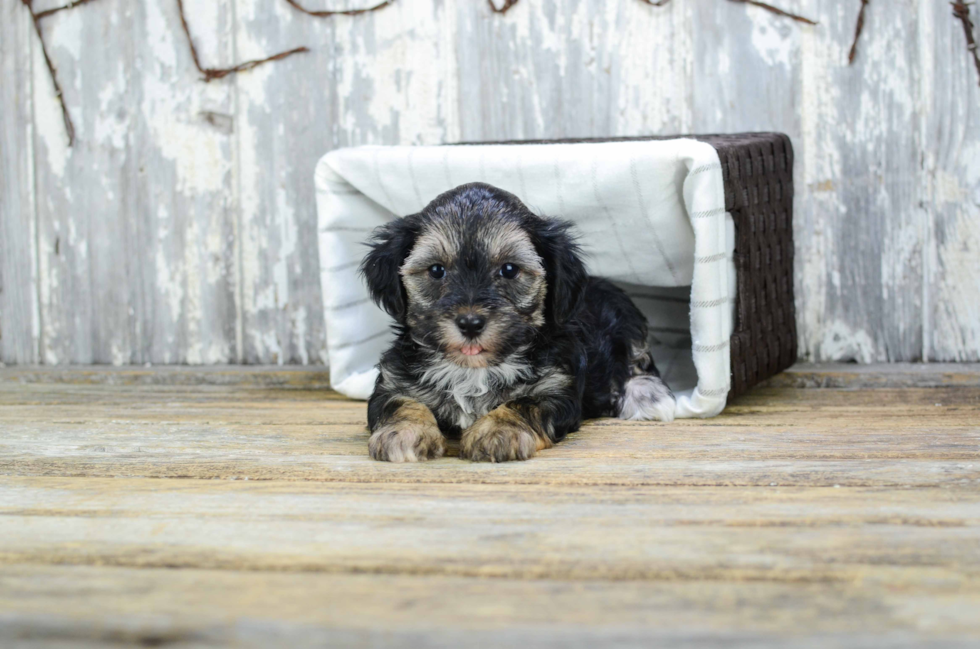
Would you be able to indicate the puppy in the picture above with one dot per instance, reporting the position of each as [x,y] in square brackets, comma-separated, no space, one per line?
[503,340]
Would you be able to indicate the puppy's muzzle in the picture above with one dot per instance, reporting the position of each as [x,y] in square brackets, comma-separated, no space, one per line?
[471,325]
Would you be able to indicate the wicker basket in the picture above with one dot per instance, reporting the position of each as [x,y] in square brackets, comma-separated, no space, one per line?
[758,177]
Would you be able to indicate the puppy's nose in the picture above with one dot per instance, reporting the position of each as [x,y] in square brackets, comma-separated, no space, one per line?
[471,324]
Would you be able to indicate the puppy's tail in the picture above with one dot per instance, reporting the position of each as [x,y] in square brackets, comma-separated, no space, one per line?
[645,396]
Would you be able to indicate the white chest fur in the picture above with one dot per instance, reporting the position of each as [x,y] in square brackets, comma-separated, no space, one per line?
[472,392]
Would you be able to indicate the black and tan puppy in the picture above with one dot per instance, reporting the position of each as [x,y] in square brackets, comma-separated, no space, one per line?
[503,339]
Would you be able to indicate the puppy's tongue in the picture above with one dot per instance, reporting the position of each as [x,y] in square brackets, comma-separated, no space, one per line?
[471,350]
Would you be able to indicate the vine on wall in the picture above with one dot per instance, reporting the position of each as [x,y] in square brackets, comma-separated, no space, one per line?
[961,10]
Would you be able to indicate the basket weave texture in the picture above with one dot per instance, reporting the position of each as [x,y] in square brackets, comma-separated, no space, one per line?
[758,173]
[757,169]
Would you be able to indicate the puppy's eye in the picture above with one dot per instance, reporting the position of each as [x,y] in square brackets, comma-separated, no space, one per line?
[437,271]
[509,271]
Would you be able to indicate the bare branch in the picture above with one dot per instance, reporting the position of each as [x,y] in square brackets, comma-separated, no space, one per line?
[504,8]
[36,19]
[70,5]
[217,73]
[326,13]
[962,11]
[857,31]
[776,10]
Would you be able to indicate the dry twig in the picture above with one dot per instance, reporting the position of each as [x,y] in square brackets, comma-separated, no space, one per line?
[660,3]
[504,8]
[53,71]
[777,11]
[857,31]
[962,11]
[54,10]
[217,73]
[326,13]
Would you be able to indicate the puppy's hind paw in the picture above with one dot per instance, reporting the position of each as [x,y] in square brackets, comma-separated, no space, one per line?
[647,398]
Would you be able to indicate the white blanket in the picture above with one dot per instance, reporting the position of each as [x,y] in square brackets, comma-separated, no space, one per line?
[651,216]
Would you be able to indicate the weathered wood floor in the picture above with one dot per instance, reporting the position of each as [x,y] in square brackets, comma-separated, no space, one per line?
[187,509]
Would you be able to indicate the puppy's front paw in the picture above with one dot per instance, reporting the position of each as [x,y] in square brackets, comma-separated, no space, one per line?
[411,435]
[501,435]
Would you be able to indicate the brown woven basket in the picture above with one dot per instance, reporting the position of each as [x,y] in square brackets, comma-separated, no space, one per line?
[758,173]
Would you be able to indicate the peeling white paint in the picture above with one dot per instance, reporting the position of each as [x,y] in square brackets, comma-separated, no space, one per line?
[193,309]
[396,83]
[770,38]
[820,161]
[957,335]
[948,189]
[299,330]
[171,104]
[654,79]
[113,125]
[48,117]
[842,343]
[168,281]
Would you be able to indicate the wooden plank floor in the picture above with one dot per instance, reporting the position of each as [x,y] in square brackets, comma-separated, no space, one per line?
[231,507]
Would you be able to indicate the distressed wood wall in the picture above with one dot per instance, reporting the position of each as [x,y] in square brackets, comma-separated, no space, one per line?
[181,227]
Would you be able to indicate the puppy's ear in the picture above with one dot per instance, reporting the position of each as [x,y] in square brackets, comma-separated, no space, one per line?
[390,244]
[565,272]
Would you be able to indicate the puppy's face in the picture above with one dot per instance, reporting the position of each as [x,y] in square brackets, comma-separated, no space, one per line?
[475,284]
[475,274]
